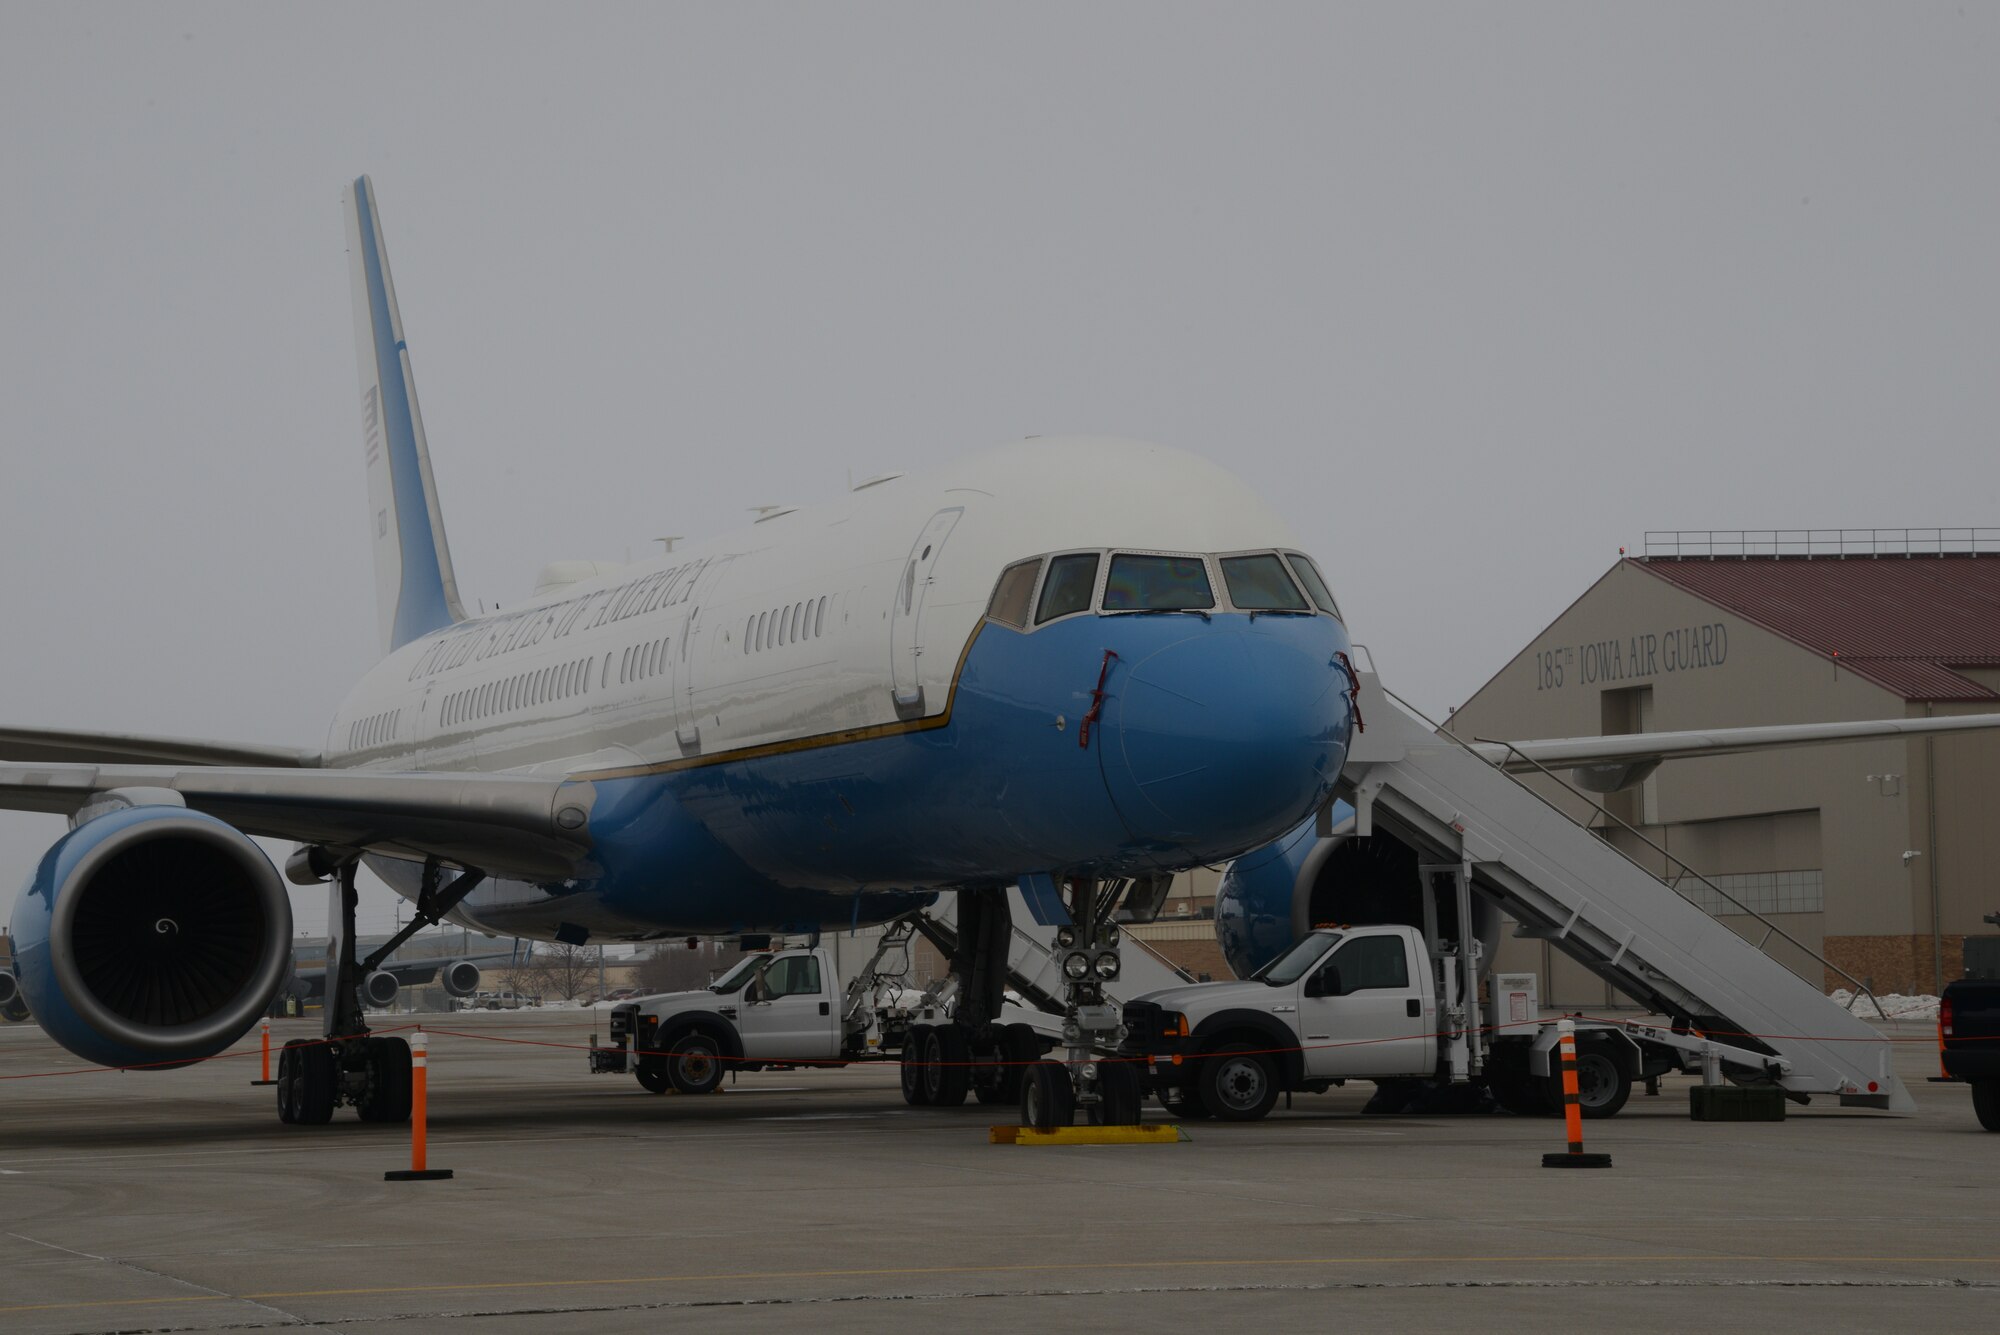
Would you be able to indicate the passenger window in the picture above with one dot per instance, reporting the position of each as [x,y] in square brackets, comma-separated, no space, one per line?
[1158,584]
[796,609]
[762,617]
[1259,584]
[819,617]
[1309,576]
[1368,963]
[1071,581]
[749,624]
[1013,593]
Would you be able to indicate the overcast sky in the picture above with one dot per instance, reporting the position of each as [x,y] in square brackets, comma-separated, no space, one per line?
[1474,295]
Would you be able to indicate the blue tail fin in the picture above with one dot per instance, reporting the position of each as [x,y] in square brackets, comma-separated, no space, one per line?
[415,591]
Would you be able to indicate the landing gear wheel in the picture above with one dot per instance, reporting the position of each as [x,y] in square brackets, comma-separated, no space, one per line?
[947,1066]
[916,1092]
[652,1074]
[315,1082]
[1601,1088]
[1048,1100]
[288,1082]
[388,1094]
[694,1064]
[1237,1083]
[1118,1095]
[1182,1105]
[1986,1103]
[990,1084]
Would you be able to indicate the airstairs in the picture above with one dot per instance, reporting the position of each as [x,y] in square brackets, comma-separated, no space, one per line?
[1034,967]
[1564,884]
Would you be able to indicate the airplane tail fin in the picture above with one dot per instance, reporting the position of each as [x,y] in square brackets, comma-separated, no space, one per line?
[415,590]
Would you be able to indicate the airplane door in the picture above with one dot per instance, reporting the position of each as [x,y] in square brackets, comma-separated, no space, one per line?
[906,640]
[682,659]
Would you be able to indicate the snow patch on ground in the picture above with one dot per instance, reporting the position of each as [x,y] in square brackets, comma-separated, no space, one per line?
[1894,1004]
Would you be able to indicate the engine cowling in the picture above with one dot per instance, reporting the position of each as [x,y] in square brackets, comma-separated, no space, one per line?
[379,989]
[460,978]
[1270,898]
[151,936]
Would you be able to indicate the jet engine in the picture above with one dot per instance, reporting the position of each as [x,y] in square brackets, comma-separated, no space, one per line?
[460,978]
[1270,898]
[379,989]
[151,936]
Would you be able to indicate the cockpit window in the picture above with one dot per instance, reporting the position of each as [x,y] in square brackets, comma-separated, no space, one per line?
[1259,584]
[1071,581]
[1158,584]
[1014,593]
[1309,576]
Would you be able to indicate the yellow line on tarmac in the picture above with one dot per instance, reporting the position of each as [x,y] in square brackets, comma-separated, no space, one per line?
[1071,1267]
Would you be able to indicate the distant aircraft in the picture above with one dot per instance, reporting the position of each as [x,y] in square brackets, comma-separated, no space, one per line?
[1072,664]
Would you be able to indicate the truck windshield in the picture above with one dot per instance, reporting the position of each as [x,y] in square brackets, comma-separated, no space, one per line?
[737,976]
[1292,965]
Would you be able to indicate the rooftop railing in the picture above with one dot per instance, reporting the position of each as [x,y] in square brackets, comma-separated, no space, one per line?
[1832,543]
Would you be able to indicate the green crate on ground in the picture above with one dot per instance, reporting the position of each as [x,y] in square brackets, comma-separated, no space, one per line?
[1733,1103]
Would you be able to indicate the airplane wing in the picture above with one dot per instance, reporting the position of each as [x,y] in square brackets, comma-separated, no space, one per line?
[1605,764]
[113,748]
[503,824]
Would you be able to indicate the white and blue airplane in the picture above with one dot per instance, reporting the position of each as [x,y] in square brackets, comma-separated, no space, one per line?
[1074,665]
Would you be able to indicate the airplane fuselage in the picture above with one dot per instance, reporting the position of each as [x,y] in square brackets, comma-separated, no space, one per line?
[828,715]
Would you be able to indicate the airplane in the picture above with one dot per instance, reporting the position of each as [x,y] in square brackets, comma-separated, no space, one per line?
[1073,665]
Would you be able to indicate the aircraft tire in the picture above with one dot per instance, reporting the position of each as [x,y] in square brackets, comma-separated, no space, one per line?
[947,1066]
[916,1092]
[694,1064]
[1118,1093]
[652,1074]
[288,1082]
[1048,1099]
[388,1096]
[315,1082]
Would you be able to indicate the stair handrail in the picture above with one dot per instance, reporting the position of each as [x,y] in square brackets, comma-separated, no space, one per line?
[1859,989]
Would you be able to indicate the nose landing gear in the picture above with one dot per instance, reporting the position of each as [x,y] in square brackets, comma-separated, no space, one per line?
[1087,1080]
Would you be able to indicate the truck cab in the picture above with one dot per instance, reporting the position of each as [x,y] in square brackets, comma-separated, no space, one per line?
[1344,1003]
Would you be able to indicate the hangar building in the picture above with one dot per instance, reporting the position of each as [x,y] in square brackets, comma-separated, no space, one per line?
[1876,858]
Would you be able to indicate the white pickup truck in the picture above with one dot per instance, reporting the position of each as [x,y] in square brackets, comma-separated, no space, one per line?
[789,1008]
[1363,1003]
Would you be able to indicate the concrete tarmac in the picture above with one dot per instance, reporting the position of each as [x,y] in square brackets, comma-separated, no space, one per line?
[794,1201]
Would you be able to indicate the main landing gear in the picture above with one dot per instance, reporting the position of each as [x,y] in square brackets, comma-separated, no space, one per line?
[368,1072]
[1004,1064]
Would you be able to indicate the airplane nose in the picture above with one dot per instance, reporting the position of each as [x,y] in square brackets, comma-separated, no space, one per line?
[1227,737]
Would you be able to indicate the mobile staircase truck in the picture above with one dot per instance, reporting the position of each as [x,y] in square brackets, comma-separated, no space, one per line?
[1393,1003]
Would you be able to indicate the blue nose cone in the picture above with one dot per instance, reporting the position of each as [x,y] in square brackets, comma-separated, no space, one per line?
[1225,739]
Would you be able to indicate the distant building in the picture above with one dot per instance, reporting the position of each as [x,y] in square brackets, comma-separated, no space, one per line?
[1880,856]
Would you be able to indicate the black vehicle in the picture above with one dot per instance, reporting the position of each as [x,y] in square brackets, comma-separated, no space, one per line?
[1969,1038]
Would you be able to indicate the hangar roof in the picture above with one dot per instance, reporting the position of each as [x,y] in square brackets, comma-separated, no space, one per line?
[1903,623]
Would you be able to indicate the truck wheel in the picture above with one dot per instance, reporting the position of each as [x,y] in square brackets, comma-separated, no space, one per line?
[652,1073]
[1048,1100]
[1601,1088]
[1119,1095]
[388,1096]
[947,1066]
[1986,1102]
[915,1092]
[694,1065]
[1237,1084]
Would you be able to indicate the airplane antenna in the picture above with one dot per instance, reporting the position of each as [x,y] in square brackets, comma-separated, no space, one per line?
[667,544]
